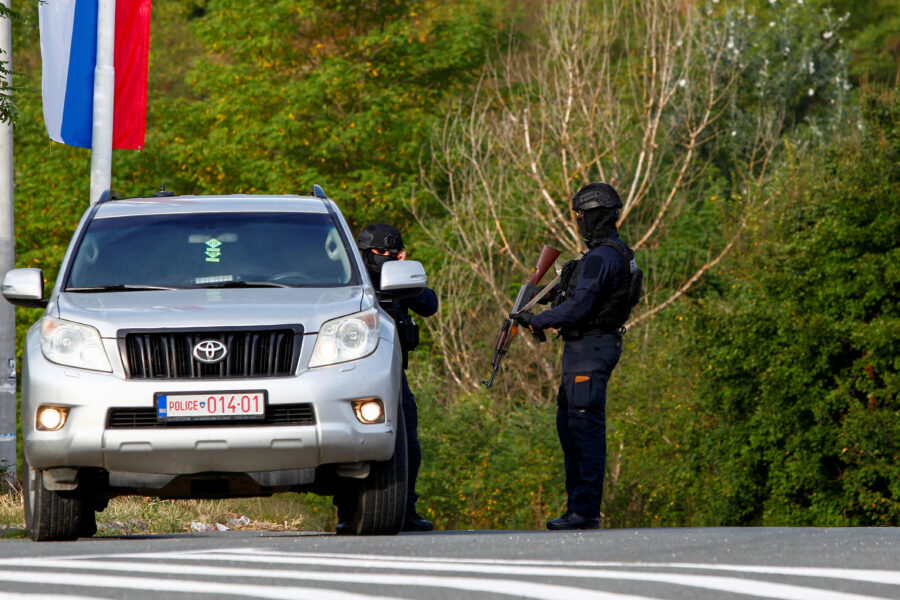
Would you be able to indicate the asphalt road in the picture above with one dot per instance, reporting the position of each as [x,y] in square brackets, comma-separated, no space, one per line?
[623,564]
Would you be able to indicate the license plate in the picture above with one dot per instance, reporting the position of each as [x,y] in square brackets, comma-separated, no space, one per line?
[214,405]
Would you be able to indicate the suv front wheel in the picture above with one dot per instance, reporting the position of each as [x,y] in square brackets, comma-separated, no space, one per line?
[381,497]
[52,516]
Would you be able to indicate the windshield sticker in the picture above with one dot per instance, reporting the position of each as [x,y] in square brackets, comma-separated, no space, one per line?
[214,279]
[213,250]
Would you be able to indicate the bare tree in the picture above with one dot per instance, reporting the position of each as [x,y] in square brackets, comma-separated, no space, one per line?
[636,94]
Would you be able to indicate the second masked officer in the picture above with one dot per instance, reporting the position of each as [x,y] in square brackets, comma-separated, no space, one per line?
[379,244]
[590,307]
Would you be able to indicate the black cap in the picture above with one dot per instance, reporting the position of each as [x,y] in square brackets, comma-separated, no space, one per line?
[380,236]
[596,195]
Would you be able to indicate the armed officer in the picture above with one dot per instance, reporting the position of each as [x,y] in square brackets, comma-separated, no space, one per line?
[589,307]
[379,244]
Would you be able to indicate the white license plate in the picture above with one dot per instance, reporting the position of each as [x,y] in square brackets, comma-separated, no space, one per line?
[214,405]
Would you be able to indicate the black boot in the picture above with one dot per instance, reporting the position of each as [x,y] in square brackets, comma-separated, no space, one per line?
[343,528]
[572,520]
[414,522]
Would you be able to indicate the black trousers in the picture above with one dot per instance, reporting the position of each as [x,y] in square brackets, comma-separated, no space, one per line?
[413,448]
[581,418]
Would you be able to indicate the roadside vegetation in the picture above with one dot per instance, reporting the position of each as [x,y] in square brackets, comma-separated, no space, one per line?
[131,515]
[756,145]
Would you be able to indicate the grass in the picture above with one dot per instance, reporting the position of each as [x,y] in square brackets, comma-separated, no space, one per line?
[144,514]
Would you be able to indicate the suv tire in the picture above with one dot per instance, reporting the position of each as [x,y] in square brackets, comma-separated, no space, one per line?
[50,516]
[381,497]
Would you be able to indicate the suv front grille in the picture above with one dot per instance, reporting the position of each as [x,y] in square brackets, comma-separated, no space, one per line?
[251,353]
[145,417]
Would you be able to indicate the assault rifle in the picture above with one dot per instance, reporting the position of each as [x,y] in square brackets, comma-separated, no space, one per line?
[527,297]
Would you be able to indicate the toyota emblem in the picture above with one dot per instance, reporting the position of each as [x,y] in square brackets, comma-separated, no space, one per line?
[210,352]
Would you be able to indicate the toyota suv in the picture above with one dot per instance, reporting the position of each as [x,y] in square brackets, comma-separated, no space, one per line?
[211,347]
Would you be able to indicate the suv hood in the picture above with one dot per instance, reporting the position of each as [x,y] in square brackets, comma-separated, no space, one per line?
[204,308]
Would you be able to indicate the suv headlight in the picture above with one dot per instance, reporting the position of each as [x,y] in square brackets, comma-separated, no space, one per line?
[346,338]
[73,344]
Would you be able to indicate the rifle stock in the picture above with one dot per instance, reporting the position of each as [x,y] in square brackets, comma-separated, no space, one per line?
[545,260]
[528,290]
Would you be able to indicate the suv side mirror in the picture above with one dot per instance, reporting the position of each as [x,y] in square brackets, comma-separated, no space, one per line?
[401,278]
[24,287]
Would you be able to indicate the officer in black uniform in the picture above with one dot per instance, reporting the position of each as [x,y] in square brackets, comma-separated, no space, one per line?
[590,307]
[380,244]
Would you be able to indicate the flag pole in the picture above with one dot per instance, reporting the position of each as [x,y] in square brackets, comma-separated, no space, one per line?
[104,94]
[7,262]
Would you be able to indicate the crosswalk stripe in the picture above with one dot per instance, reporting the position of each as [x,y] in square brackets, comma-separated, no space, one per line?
[507,567]
[867,575]
[537,591]
[39,596]
[762,589]
[181,586]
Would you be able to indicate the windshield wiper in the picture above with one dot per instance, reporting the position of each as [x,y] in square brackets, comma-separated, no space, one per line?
[120,287]
[240,284]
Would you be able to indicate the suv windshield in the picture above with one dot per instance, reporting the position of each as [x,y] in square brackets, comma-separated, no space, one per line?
[211,250]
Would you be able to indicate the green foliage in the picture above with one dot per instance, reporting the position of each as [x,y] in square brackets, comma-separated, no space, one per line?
[874,37]
[799,399]
[487,466]
[286,94]
[650,403]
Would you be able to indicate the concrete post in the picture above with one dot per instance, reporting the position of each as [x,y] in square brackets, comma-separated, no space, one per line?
[7,262]
[104,95]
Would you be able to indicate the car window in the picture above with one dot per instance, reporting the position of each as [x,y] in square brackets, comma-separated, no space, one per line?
[209,249]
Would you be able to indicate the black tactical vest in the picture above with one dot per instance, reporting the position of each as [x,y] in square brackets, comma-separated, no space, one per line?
[614,309]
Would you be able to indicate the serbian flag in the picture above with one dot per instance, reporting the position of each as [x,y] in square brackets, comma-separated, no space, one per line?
[69,55]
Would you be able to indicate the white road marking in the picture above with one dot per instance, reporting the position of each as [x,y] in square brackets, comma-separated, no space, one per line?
[538,591]
[181,586]
[511,567]
[28,596]
[752,587]
[867,575]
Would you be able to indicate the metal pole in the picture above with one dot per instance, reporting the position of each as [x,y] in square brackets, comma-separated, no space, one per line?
[7,262]
[104,94]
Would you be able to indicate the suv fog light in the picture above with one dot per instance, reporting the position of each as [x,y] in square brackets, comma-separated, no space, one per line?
[369,411]
[51,418]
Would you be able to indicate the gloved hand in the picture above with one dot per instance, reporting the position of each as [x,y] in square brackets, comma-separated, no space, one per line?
[523,318]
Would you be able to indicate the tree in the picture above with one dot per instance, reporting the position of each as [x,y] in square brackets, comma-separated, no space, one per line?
[873,30]
[344,94]
[797,413]
[682,110]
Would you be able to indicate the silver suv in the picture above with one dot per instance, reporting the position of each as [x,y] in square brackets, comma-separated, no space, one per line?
[211,347]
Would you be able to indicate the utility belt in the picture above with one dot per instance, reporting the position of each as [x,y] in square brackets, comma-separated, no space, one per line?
[575,335]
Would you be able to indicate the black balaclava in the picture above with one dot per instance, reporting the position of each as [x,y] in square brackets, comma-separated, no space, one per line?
[597,224]
[383,237]
[599,204]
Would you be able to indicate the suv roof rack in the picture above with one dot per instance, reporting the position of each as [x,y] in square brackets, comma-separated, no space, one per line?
[318,192]
[163,192]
